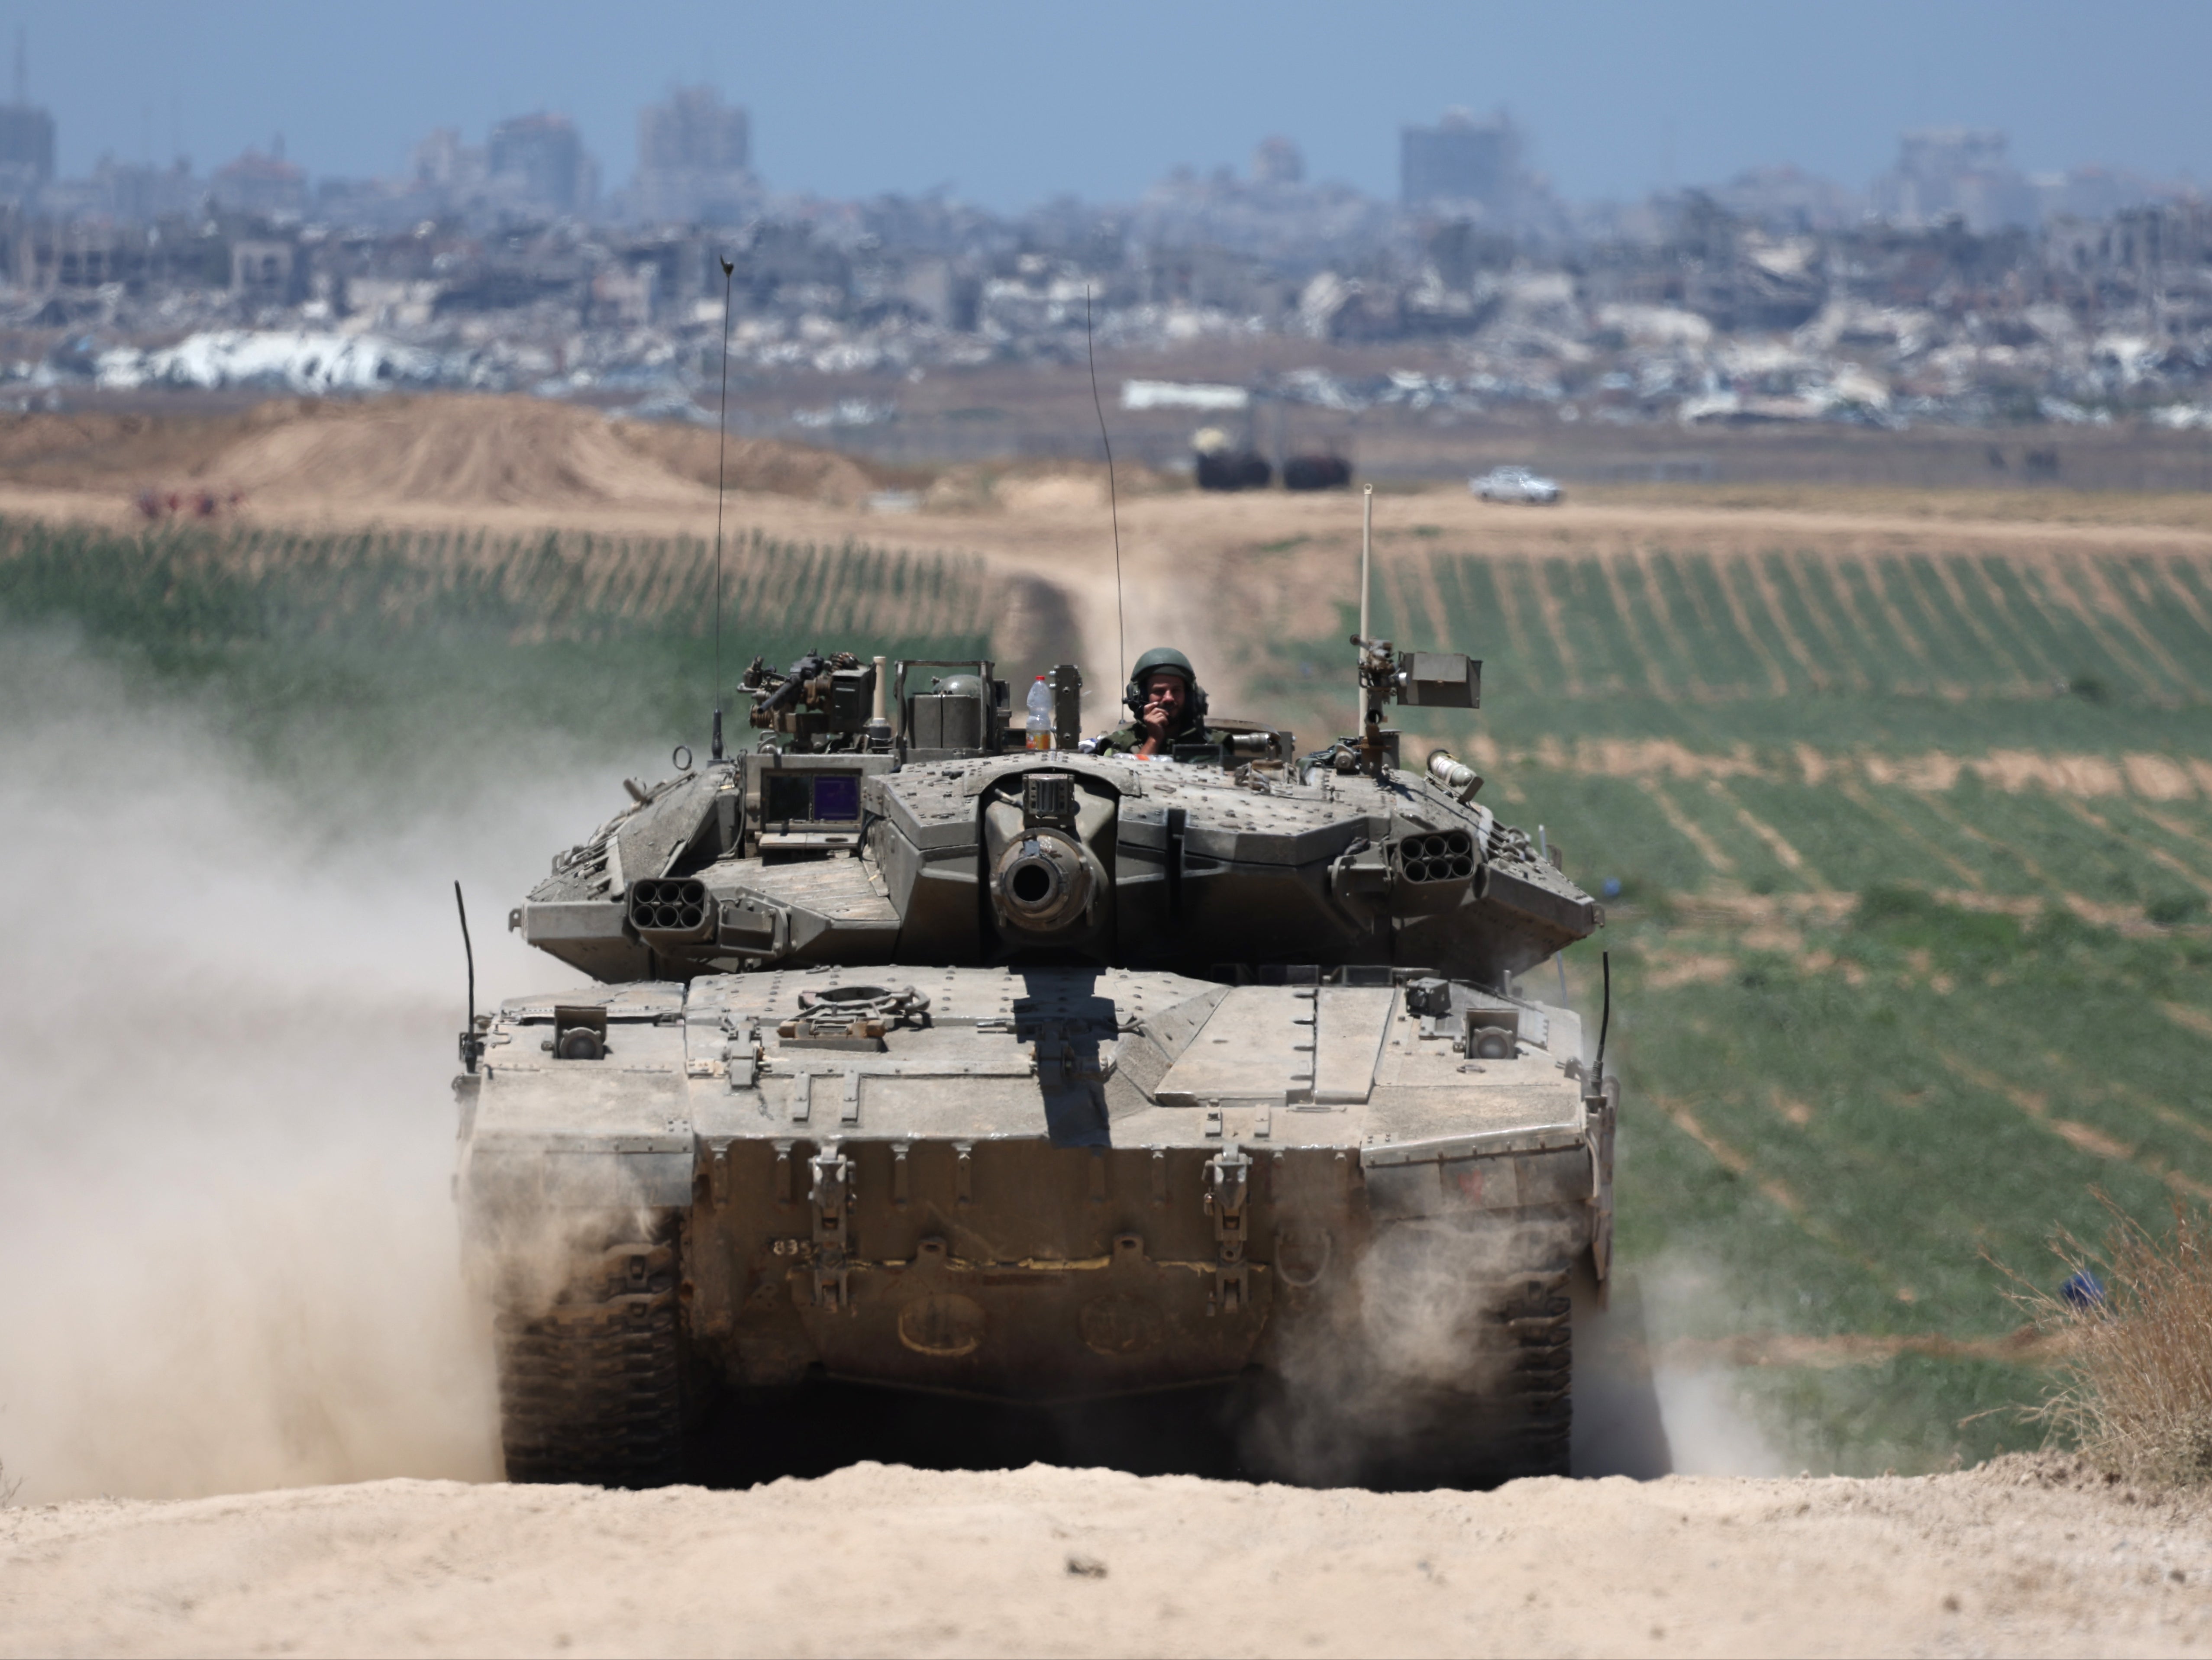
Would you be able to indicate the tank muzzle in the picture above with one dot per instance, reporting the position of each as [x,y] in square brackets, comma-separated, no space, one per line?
[1042,884]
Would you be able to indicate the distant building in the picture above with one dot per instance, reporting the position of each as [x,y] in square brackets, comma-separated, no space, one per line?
[264,271]
[2095,192]
[694,130]
[1789,198]
[443,162]
[27,144]
[537,162]
[1461,160]
[1961,173]
[140,195]
[27,138]
[1278,161]
[265,184]
[695,159]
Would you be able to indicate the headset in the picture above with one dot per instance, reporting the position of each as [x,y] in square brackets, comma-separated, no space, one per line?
[1132,694]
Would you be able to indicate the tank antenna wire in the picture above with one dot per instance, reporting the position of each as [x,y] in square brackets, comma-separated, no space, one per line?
[1367,546]
[721,450]
[1605,1020]
[471,1046]
[1113,501]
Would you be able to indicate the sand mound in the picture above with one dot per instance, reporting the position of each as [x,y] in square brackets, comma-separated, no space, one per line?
[2020,1557]
[101,450]
[453,452]
[761,464]
[1063,493]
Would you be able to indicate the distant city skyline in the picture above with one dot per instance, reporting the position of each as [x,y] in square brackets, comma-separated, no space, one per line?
[1009,106]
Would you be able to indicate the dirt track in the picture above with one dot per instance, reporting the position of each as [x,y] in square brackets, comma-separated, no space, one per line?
[888,1560]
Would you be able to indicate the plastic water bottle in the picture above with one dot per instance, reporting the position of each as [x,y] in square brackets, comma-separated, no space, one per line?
[1040,723]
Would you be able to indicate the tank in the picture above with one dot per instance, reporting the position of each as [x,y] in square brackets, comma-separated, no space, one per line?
[918,1059]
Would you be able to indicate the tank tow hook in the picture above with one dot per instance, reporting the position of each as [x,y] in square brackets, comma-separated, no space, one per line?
[833,1211]
[1228,1181]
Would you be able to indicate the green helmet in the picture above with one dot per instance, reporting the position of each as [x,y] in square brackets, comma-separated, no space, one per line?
[1173,662]
[1164,656]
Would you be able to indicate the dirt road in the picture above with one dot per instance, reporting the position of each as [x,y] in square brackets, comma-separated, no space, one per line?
[888,1560]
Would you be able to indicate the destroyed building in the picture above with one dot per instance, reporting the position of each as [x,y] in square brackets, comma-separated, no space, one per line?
[1775,297]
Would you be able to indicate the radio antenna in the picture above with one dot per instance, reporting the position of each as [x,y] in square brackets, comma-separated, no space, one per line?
[1113,501]
[472,1046]
[722,450]
[1366,552]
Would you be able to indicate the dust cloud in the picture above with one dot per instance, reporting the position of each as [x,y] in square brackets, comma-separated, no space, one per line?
[226,1025]
[1710,1428]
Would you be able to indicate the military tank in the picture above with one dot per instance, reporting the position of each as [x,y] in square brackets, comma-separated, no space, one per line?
[918,1057]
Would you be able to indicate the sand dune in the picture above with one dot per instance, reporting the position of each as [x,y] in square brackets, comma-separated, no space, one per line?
[451,452]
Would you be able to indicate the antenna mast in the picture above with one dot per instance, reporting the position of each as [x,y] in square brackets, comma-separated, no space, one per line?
[1113,501]
[472,1046]
[721,450]
[1366,550]
[1377,670]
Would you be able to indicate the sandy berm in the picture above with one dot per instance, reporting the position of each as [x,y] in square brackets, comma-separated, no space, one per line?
[2026,1555]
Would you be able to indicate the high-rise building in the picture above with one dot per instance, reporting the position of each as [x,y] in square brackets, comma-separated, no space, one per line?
[694,158]
[694,130]
[1461,160]
[537,162]
[27,136]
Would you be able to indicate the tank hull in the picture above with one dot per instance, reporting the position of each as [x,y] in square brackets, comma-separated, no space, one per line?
[1040,1185]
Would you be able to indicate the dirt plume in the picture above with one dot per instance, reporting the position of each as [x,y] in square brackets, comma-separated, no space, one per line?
[229,1027]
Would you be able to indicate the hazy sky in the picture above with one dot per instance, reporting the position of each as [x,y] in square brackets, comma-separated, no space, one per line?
[1010,101]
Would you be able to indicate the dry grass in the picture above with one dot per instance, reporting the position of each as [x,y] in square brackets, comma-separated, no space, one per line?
[2135,1365]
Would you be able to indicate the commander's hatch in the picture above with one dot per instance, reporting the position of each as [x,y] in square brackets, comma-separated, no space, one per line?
[1294,1044]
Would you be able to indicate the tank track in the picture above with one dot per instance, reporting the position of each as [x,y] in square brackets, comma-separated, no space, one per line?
[1512,1416]
[1534,1414]
[592,1390]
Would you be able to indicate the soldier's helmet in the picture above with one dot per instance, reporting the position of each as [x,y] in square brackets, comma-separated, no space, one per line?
[1173,661]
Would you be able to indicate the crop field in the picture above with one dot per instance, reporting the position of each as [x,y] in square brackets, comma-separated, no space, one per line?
[1910,857]
[426,643]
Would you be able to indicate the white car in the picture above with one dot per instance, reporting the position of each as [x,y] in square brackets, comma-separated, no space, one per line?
[1515,484]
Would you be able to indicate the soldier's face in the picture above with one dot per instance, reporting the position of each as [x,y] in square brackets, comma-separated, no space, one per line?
[1163,694]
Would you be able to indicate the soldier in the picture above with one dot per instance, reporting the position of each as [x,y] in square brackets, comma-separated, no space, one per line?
[1167,707]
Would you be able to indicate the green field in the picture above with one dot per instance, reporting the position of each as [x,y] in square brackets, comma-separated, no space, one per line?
[1913,852]
[1913,855]
[387,657]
